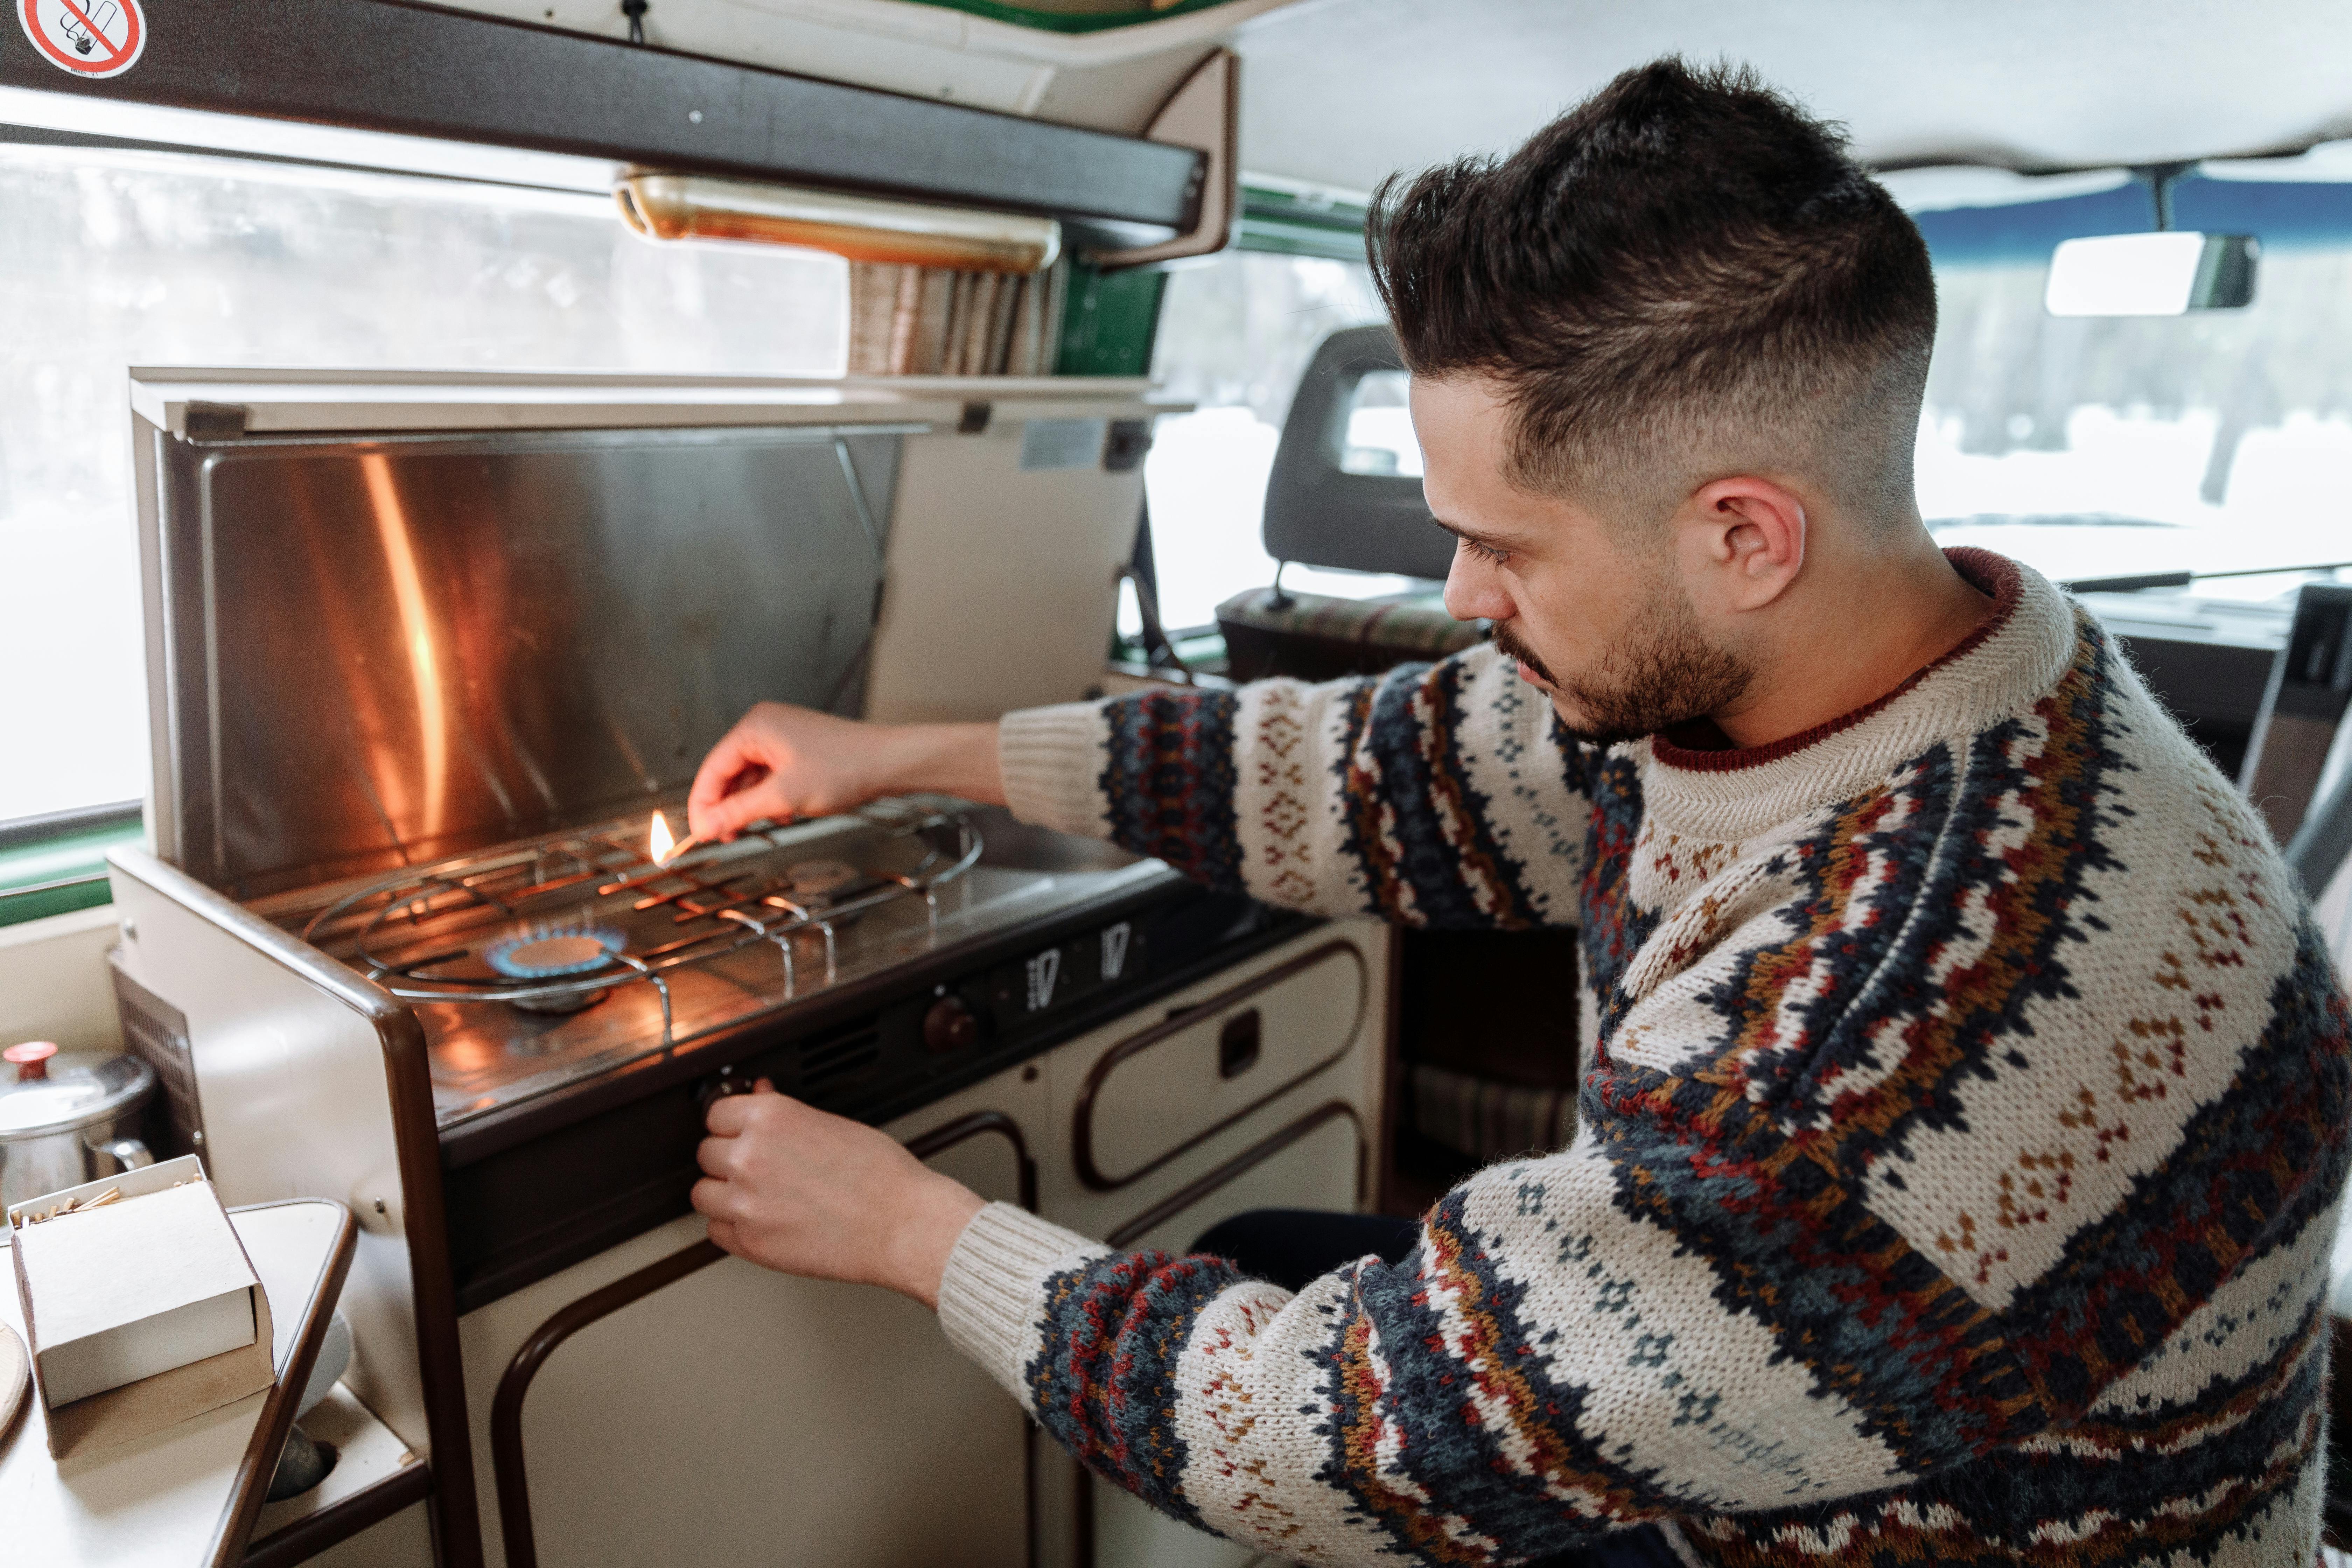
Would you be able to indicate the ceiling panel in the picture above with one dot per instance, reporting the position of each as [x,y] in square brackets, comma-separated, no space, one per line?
[1340,93]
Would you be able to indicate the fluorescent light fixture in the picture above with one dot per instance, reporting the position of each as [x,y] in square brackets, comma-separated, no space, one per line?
[696,206]
[2165,273]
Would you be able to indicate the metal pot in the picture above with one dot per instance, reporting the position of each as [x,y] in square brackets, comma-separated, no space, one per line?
[68,1118]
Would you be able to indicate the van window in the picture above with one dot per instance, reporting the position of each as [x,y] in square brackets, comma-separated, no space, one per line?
[2112,447]
[1234,337]
[2089,449]
[115,258]
[1378,437]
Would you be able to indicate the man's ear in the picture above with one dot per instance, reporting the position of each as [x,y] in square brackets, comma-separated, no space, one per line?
[1743,540]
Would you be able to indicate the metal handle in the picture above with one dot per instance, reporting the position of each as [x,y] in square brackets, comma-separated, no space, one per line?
[1238,1042]
[130,1154]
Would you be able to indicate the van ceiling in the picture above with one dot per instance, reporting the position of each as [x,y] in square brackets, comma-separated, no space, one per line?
[1341,92]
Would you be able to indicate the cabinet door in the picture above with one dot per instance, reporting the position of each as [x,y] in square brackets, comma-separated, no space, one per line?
[734,1415]
[1166,1088]
[1146,1108]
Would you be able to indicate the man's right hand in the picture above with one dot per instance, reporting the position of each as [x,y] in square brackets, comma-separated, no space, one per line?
[780,763]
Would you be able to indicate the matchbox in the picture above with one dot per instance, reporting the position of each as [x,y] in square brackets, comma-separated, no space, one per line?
[141,1306]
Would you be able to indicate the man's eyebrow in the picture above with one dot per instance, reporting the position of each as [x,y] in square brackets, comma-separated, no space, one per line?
[1492,541]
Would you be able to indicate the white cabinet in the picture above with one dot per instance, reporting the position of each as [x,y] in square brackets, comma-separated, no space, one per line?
[1194,1091]
[734,1415]
[731,1415]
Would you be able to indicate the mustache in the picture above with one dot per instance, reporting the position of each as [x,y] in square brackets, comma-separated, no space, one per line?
[1512,647]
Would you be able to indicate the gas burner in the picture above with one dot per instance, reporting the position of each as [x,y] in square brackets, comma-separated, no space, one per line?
[544,952]
[555,953]
[816,883]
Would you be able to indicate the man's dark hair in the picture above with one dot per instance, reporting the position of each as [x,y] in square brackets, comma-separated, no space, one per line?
[1683,278]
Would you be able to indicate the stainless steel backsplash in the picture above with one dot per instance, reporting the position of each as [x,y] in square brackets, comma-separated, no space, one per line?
[386,650]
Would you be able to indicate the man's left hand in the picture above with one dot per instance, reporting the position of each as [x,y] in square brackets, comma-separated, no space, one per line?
[794,1189]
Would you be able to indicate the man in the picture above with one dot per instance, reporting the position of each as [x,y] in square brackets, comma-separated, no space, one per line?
[1966,1115]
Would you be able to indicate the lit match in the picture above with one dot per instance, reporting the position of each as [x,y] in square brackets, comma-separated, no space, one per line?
[662,848]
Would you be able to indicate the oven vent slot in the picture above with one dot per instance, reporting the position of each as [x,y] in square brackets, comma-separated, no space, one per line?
[157,1034]
[838,1057]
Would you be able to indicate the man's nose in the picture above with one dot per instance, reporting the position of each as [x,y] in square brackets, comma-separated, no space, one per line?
[1473,590]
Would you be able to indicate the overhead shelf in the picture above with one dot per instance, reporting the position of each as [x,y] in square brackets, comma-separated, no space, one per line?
[423,70]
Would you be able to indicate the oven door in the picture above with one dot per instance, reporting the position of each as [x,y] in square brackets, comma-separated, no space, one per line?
[661,1403]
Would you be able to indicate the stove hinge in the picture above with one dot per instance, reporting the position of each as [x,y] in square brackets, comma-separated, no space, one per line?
[215,421]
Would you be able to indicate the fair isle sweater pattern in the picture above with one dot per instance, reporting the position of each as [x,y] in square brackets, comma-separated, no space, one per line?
[1959,1156]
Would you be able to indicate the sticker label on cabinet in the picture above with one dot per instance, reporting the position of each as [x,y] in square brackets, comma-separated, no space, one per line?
[86,38]
[1070,973]
[1045,971]
[1060,443]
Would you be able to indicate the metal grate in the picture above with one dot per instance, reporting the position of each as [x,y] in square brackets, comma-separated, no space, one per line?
[157,1034]
[694,908]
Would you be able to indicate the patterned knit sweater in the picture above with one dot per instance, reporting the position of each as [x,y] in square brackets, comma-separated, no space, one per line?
[1959,1156]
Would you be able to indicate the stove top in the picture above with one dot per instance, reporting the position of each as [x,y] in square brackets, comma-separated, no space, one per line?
[543,962]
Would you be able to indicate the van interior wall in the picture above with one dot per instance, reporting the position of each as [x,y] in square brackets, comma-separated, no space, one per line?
[54,984]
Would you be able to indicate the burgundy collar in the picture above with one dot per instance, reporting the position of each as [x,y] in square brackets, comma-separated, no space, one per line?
[1988,572]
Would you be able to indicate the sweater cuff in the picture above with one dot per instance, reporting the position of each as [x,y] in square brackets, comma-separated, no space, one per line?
[991,1296]
[1051,759]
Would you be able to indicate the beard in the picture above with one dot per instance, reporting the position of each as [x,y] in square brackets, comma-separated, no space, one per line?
[1662,674]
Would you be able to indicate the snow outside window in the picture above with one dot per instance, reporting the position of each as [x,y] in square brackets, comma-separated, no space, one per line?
[2106,447]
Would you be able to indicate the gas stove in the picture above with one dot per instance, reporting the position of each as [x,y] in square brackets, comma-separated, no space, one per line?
[540,965]
[425,651]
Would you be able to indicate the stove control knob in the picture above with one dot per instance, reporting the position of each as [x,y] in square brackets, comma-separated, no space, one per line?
[719,1089]
[949,1025]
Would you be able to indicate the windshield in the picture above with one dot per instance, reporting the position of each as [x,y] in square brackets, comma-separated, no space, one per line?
[2089,448]
[2096,448]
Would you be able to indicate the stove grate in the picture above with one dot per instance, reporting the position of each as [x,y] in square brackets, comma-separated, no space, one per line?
[720,900]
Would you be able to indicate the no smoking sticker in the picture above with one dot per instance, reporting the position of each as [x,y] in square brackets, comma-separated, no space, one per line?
[88,37]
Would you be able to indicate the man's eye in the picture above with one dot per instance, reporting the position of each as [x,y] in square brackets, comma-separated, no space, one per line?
[1486,552]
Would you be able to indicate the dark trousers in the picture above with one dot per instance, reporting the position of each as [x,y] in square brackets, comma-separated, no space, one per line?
[1290,1247]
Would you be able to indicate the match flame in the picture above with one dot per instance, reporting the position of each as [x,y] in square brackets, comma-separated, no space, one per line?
[664,845]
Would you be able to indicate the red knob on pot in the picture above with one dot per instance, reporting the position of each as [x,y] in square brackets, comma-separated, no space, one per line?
[31,1059]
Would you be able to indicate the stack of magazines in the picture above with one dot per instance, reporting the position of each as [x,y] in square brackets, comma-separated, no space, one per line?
[930,320]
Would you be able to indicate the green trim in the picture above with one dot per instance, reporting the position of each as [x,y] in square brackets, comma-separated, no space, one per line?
[60,873]
[1110,320]
[1298,239]
[1083,17]
[1334,212]
[1291,224]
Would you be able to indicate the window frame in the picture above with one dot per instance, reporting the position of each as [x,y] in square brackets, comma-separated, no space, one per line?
[55,864]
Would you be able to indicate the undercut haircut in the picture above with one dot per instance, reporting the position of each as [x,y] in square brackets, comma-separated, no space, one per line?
[1684,277]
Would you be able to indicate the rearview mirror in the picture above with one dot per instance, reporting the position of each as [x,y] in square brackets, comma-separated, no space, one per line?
[2164,273]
